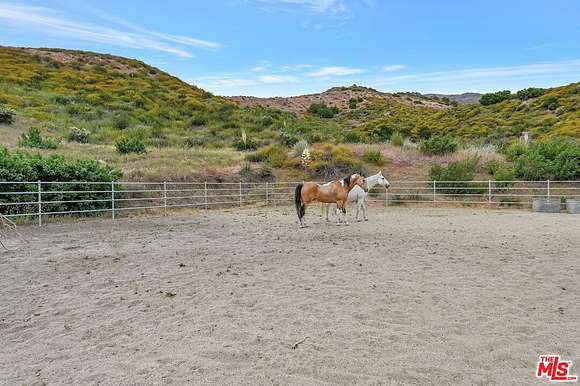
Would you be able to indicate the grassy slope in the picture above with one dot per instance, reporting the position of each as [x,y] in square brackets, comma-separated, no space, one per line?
[114,97]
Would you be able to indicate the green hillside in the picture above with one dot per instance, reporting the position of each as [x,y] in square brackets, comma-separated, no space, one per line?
[554,114]
[84,105]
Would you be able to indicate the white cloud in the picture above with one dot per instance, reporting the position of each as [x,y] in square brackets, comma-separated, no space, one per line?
[393,67]
[48,21]
[315,6]
[549,68]
[278,78]
[335,71]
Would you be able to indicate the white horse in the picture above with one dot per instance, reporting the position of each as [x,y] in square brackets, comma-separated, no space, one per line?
[358,195]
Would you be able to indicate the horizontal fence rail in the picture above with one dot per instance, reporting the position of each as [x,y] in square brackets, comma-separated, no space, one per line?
[39,199]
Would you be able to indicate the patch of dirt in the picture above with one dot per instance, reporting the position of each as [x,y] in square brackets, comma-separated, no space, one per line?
[413,296]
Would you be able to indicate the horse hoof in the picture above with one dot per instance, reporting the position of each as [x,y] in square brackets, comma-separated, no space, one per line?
[358,220]
[366,219]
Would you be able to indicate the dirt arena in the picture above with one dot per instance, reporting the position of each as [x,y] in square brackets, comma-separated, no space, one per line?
[414,296]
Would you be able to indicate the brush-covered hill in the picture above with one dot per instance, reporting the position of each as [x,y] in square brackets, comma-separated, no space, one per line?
[111,97]
[341,97]
[85,104]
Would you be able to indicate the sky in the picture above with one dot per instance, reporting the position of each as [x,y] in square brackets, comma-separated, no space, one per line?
[292,47]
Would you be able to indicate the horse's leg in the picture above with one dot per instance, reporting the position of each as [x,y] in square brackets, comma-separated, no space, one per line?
[357,209]
[327,210]
[364,210]
[344,213]
[338,212]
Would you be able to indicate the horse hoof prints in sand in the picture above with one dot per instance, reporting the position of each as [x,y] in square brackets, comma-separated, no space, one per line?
[335,192]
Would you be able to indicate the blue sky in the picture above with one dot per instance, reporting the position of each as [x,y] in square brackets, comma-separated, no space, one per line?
[291,47]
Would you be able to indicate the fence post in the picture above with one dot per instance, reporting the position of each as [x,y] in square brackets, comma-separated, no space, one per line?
[205,194]
[548,188]
[113,200]
[489,192]
[386,197]
[240,194]
[165,198]
[434,192]
[267,198]
[39,203]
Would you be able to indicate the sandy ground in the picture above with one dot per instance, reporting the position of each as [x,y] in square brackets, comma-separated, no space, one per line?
[414,296]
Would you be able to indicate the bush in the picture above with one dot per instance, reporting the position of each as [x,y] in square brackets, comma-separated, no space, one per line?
[397,139]
[504,178]
[299,148]
[245,143]
[438,145]
[288,139]
[353,137]
[21,167]
[255,157]
[322,110]
[121,121]
[454,179]
[128,145]
[558,160]
[274,155]
[194,142]
[78,135]
[551,103]
[373,156]
[495,97]
[33,138]
[6,115]
[334,161]
[530,92]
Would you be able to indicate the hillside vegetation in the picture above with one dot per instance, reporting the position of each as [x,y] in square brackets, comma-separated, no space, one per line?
[137,118]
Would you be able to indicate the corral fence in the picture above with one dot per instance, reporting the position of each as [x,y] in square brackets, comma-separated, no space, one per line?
[35,201]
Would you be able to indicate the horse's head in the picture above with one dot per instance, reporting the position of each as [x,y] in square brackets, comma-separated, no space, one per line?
[357,179]
[382,180]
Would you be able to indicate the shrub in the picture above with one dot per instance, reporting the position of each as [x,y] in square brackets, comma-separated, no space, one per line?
[504,178]
[353,137]
[245,143]
[299,148]
[78,135]
[558,159]
[454,179]
[322,110]
[381,132]
[121,121]
[274,155]
[194,142]
[373,156]
[551,103]
[21,167]
[288,139]
[495,97]
[438,145]
[335,161]
[6,114]
[33,138]
[255,157]
[514,151]
[127,145]
[397,139]
[530,92]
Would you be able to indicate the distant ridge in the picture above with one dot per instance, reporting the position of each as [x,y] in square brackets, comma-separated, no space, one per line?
[467,98]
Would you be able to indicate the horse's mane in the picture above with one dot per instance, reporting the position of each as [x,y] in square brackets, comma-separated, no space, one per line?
[346,180]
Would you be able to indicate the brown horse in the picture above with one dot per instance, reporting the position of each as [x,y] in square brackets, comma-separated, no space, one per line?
[335,192]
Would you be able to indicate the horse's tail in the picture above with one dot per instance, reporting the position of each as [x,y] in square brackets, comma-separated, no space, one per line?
[298,201]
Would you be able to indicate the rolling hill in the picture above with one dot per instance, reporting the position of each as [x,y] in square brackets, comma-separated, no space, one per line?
[187,130]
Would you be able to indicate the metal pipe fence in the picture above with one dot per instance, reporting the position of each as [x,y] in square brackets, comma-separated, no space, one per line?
[37,200]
